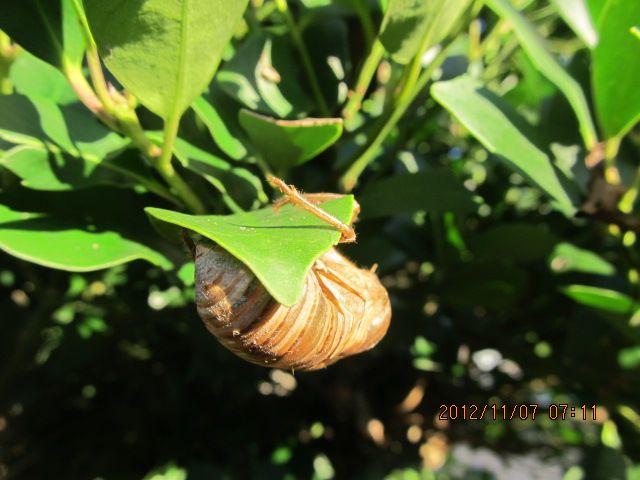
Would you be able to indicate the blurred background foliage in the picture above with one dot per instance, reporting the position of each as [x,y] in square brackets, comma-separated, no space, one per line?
[501,216]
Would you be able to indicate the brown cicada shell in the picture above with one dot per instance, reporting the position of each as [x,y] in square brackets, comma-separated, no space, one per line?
[344,309]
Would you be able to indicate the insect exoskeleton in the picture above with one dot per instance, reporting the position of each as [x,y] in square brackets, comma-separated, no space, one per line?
[344,309]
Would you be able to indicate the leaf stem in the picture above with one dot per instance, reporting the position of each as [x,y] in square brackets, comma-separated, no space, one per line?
[115,106]
[367,72]
[123,111]
[296,36]
[412,86]
[86,94]
[165,167]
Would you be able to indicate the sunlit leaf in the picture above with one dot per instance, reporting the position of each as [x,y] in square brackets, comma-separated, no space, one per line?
[629,358]
[616,68]
[163,51]
[48,229]
[239,187]
[39,121]
[279,248]
[34,77]
[492,124]
[263,76]
[601,298]
[566,257]
[215,111]
[577,16]
[535,47]
[285,144]
[412,26]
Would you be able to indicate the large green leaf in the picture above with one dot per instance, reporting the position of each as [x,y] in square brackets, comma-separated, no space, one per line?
[411,26]
[535,47]
[491,123]
[263,75]
[601,298]
[279,248]
[50,230]
[37,121]
[33,77]
[49,29]
[164,51]
[215,111]
[616,68]
[432,191]
[41,169]
[285,144]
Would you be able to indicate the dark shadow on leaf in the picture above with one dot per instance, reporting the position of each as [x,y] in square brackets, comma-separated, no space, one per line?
[106,20]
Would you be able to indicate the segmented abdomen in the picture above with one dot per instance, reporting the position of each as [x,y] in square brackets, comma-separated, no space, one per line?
[344,310]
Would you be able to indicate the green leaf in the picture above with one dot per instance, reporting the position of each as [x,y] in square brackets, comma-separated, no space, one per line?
[38,121]
[577,16]
[33,77]
[566,257]
[616,69]
[629,358]
[48,229]
[432,191]
[517,241]
[215,110]
[482,113]
[410,27]
[49,29]
[43,170]
[534,45]
[165,52]
[33,122]
[240,188]
[279,248]
[40,169]
[285,144]
[601,298]
[187,273]
[263,75]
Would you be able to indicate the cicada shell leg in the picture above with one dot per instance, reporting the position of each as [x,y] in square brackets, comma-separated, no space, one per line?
[348,234]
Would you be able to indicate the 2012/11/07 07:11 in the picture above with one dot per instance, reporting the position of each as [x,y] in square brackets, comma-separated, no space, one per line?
[556,411]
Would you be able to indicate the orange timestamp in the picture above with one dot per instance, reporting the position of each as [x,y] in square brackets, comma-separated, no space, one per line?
[517,411]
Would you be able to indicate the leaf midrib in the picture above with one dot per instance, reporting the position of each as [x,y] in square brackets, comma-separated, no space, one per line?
[182,62]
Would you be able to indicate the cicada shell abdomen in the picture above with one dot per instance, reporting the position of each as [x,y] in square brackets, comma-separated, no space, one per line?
[344,310]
